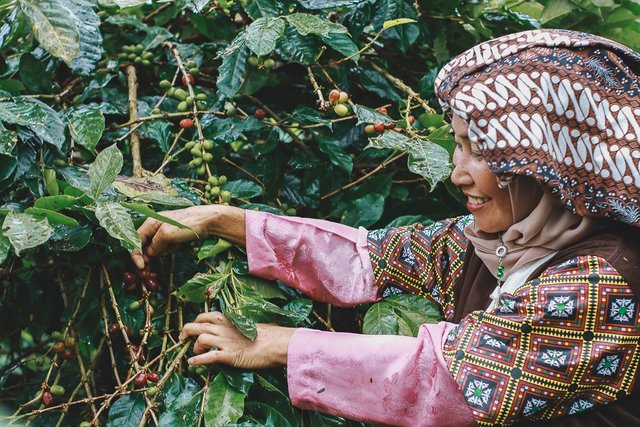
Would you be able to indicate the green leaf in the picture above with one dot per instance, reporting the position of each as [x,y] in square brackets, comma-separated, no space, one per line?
[164,199]
[115,219]
[21,112]
[182,400]
[306,23]
[212,247]
[399,21]
[51,130]
[70,239]
[25,231]
[243,323]
[86,125]
[377,84]
[55,203]
[50,182]
[127,411]
[392,140]
[54,27]
[444,138]
[53,216]
[225,404]
[202,287]
[336,154]
[104,169]
[341,42]
[416,310]
[231,73]
[326,4]
[159,131]
[5,248]
[263,33]
[293,47]
[380,319]
[429,160]
[123,4]
[90,39]
[556,9]
[367,115]
[243,188]
[364,211]
[264,288]
[146,210]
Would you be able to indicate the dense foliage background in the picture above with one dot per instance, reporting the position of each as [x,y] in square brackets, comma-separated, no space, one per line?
[113,110]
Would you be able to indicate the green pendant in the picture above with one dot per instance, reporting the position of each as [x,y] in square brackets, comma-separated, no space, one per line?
[500,273]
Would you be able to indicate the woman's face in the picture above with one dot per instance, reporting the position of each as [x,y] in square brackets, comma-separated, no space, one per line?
[489,204]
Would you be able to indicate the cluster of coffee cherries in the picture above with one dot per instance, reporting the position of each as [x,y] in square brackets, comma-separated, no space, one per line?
[64,347]
[267,64]
[147,277]
[338,100]
[142,380]
[49,394]
[136,54]
[212,190]
[380,127]
[201,152]
[287,210]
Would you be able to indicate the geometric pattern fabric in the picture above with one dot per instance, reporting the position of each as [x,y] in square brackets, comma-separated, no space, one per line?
[563,343]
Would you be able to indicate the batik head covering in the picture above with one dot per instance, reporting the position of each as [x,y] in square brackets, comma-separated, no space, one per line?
[560,106]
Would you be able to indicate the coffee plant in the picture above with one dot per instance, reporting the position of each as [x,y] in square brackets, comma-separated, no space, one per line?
[113,111]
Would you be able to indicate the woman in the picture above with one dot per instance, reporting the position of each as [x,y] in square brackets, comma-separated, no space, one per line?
[538,285]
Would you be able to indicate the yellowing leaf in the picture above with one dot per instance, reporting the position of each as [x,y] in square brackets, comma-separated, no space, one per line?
[399,21]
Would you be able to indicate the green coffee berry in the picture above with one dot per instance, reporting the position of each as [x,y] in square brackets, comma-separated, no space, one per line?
[189,145]
[183,106]
[222,180]
[215,191]
[207,144]
[192,64]
[207,157]
[202,169]
[213,181]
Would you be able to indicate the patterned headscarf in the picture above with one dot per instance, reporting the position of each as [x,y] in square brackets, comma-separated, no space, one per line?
[561,106]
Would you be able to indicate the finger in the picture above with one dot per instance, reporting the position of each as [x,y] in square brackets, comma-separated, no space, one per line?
[138,259]
[209,357]
[211,317]
[195,329]
[148,229]
[204,343]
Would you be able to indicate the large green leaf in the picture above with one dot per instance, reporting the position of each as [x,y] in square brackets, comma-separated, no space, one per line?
[21,112]
[429,160]
[88,23]
[380,319]
[243,188]
[342,43]
[86,125]
[306,23]
[336,153]
[231,73]
[202,287]
[368,115]
[52,216]
[54,26]
[401,314]
[225,404]
[115,218]
[104,169]
[364,211]
[70,239]
[182,400]
[244,324]
[326,4]
[126,411]
[5,248]
[146,210]
[25,231]
[55,203]
[263,34]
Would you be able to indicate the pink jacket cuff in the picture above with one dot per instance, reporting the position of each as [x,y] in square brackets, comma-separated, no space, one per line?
[325,260]
[393,380]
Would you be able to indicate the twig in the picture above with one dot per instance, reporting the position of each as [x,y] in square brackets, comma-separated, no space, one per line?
[103,312]
[132,83]
[237,166]
[403,87]
[321,320]
[322,104]
[363,177]
[167,310]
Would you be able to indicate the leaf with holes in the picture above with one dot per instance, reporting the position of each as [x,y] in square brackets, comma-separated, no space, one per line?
[115,219]
[25,231]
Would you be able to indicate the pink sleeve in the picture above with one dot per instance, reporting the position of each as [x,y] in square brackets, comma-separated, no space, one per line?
[325,260]
[379,379]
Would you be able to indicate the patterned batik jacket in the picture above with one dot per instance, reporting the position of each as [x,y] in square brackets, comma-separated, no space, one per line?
[564,342]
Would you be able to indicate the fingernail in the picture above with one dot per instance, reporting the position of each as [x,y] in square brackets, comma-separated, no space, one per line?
[190,361]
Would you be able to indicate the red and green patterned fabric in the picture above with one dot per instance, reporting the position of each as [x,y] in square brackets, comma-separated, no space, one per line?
[563,343]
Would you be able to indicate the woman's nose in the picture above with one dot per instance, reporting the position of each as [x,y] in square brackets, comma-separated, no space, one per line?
[460,176]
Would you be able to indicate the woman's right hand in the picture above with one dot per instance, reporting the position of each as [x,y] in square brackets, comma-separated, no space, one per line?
[159,237]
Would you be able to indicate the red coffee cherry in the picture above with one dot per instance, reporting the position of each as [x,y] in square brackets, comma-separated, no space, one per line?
[46,398]
[153,377]
[129,278]
[379,127]
[189,79]
[186,123]
[140,379]
[260,114]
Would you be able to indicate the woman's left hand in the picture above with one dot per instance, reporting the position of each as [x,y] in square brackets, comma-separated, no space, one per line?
[214,330]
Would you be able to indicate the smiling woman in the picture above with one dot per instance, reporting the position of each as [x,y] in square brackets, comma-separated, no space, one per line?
[538,285]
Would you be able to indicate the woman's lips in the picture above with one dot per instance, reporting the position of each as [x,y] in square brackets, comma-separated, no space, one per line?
[475,204]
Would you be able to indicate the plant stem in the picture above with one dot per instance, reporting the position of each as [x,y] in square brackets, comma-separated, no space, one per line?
[132,82]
